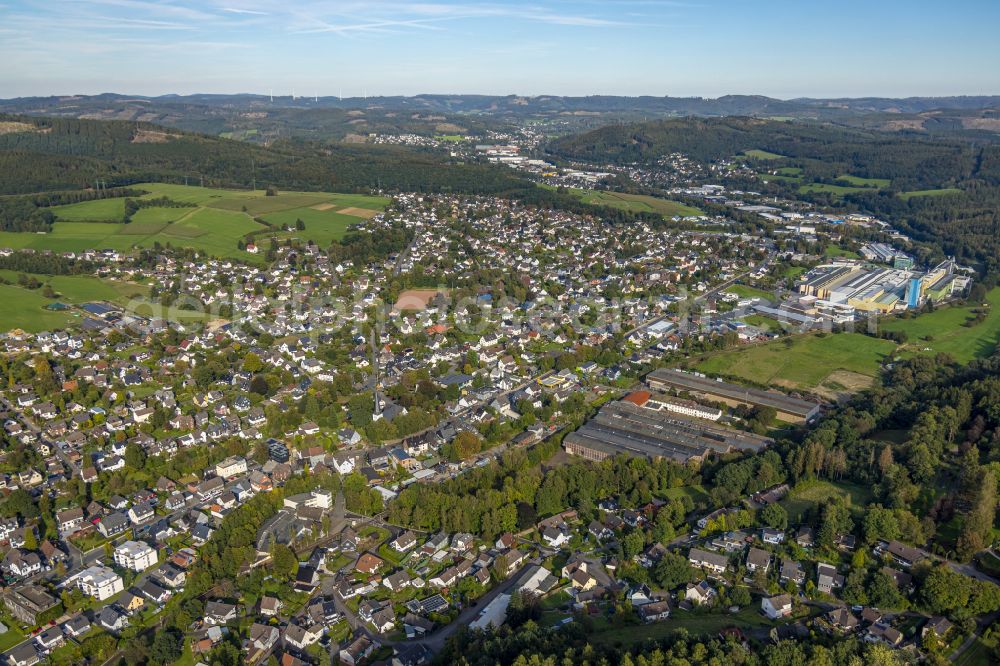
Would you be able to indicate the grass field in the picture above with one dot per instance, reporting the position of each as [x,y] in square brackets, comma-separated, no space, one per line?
[807,495]
[322,226]
[836,190]
[99,209]
[835,251]
[698,624]
[948,335]
[930,193]
[763,322]
[803,363]
[216,223]
[159,215]
[744,291]
[858,181]
[761,155]
[24,308]
[768,177]
[639,203]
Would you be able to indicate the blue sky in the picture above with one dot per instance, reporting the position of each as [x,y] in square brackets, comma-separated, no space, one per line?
[781,48]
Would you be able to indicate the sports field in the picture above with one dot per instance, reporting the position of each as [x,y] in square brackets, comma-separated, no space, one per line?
[804,362]
[214,224]
[943,331]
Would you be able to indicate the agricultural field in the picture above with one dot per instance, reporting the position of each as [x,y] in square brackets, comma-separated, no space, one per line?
[322,226]
[832,363]
[112,210]
[943,331]
[639,203]
[214,224]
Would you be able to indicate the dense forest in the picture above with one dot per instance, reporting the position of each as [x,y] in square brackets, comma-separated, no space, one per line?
[912,160]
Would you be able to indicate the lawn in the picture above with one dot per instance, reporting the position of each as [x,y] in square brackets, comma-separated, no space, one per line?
[948,335]
[11,637]
[638,203]
[746,291]
[980,653]
[802,362]
[766,323]
[807,495]
[930,193]
[836,251]
[698,624]
[696,493]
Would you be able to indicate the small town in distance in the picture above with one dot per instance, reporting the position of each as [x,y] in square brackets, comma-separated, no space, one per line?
[499,335]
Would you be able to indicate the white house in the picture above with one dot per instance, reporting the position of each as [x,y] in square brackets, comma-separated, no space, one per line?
[135,555]
[776,607]
[100,582]
[231,466]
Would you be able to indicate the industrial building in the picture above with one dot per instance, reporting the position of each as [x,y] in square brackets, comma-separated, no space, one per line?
[624,427]
[788,408]
[872,289]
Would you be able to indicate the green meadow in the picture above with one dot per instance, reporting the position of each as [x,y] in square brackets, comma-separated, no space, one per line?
[930,193]
[800,362]
[943,331]
[761,155]
[639,203]
[216,222]
[858,181]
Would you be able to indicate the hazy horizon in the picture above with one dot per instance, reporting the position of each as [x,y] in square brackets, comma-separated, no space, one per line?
[706,48]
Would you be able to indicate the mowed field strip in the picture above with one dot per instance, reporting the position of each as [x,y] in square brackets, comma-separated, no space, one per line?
[214,224]
[804,362]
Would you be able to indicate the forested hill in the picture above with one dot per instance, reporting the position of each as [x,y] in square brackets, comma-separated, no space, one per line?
[963,222]
[913,157]
[44,154]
